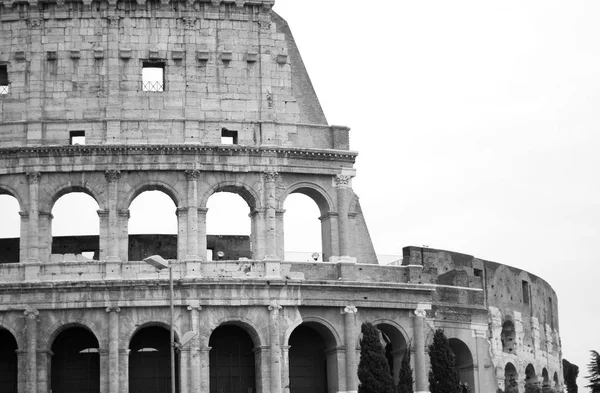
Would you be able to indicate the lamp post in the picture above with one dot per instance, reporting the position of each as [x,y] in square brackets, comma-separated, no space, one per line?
[160,263]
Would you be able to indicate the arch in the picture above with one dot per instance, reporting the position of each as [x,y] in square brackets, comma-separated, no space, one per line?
[244,323]
[545,378]
[10,229]
[18,337]
[55,330]
[555,380]
[302,228]
[64,189]
[232,360]
[307,361]
[165,324]
[75,366]
[395,346]
[323,326]
[8,190]
[313,191]
[155,185]
[463,361]
[508,337]
[530,375]
[9,362]
[247,193]
[150,360]
[511,378]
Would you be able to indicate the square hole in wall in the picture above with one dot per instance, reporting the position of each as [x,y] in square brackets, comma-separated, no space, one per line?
[3,79]
[229,137]
[77,137]
[153,76]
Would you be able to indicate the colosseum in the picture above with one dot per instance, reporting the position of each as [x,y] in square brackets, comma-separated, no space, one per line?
[192,98]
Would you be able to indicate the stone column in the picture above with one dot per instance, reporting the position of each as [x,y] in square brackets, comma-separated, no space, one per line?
[103,241]
[285,369]
[184,368]
[31,333]
[124,370]
[44,364]
[33,178]
[192,215]
[112,177]
[202,247]
[421,382]
[275,348]
[271,216]
[113,349]
[195,355]
[350,340]
[341,185]
[204,369]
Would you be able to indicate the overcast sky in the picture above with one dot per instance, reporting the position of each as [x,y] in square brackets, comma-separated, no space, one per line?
[477,127]
[477,124]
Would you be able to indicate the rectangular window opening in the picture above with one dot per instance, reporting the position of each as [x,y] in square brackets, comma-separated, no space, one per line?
[77,137]
[153,76]
[525,286]
[4,79]
[478,273]
[229,137]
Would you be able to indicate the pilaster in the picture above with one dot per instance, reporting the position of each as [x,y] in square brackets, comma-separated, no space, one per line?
[350,341]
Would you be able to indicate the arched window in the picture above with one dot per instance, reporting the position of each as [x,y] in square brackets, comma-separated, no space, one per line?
[8,362]
[508,337]
[530,375]
[76,362]
[10,230]
[232,363]
[75,225]
[395,347]
[511,379]
[463,361]
[150,361]
[302,229]
[152,226]
[228,227]
[545,378]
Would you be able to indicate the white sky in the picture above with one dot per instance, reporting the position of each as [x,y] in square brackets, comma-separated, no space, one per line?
[478,132]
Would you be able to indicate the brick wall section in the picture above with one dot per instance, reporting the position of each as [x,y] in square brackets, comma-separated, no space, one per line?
[76,66]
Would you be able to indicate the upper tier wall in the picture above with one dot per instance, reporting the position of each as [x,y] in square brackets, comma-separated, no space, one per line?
[78,66]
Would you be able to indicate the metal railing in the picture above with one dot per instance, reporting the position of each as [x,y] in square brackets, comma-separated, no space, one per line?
[153,86]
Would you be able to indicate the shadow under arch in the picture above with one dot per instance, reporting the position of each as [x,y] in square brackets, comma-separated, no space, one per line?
[128,335]
[396,344]
[511,378]
[313,356]
[463,361]
[8,360]
[55,330]
[244,323]
[18,338]
[248,194]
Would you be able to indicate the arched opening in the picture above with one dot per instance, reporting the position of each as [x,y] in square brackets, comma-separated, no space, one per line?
[313,342]
[228,227]
[530,375]
[150,361]
[511,379]
[395,347]
[152,226]
[75,226]
[10,230]
[545,378]
[232,363]
[302,229]
[508,337]
[8,362]
[308,362]
[463,361]
[76,362]
[556,381]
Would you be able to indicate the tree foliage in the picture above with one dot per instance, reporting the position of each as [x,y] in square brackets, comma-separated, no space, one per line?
[405,377]
[594,370]
[443,376]
[570,373]
[373,369]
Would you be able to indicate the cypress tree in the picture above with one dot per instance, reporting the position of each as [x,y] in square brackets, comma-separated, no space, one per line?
[373,369]
[405,378]
[594,370]
[443,377]
[570,373]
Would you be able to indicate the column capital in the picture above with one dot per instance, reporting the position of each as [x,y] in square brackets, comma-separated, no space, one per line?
[192,174]
[342,181]
[113,309]
[31,313]
[419,312]
[194,307]
[349,310]
[271,176]
[274,307]
[112,175]
[33,177]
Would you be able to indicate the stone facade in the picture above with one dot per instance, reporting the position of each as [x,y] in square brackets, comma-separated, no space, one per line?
[233,110]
